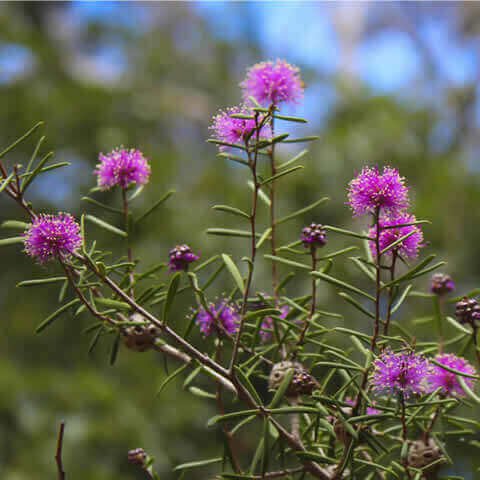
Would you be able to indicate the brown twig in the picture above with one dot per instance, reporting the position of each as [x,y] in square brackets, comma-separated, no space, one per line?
[58,455]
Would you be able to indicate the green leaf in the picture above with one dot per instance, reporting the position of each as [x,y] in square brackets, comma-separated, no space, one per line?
[242,116]
[198,392]
[452,370]
[47,168]
[458,326]
[285,261]
[402,298]
[11,241]
[467,389]
[234,272]
[341,284]
[316,457]
[114,351]
[264,237]
[248,385]
[21,139]
[281,174]
[40,281]
[15,225]
[5,182]
[302,211]
[226,144]
[401,225]
[233,158]
[396,242]
[228,232]
[290,119]
[410,273]
[292,160]
[106,226]
[102,205]
[172,291]
[232,210]
[348,233]
[356,304]
[56,314]
[277,398]
[261,194]
[154,206]
[199,463]
[136,193]
[109,302]
[35,172]
[302,139]
[231,416]
[337,253]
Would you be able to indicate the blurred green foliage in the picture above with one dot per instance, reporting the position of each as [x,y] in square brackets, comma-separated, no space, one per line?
[162,102]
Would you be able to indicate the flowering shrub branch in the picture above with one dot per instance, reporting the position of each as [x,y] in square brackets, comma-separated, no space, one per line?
[331,412]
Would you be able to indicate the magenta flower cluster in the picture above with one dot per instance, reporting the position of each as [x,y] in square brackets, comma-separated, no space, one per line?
[121,168]
[273,83]
[404,372]
[235,130]
[267,82]
[181,256]
[384,194]
[372,191]
[447,381]
[408,247]
[52,236]
[218,317]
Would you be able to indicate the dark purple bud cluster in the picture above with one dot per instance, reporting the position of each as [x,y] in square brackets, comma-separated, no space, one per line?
[441,284]
[302,384]
[314,236]
[137,456]
[180,258]
[467,310]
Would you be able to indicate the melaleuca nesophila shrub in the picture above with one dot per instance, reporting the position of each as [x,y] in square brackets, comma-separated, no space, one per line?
[392,413]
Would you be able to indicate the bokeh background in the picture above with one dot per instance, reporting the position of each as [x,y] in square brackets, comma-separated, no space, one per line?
[387,83]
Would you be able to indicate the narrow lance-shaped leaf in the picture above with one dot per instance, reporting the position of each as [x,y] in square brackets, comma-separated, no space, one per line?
[356,304]
[106,226]
[170,377]
[290,263]
[20,140]
[154,206]
[35,172]
[410,273]
[348,233]
[277,398]
[228,232]
[199,463]
[115,347]
[290,119]
[40,281]
[101,205]
[302,211]
[292,160]
[261,194]
[264,237]
[15,225]
[54,166]
[341,284]
[172,291]
[248,385]
[234,272]
[11,241]
[56,314]
[233,158]
[5,182]
[301,139]
[109,302]
[281,174]
[232,210]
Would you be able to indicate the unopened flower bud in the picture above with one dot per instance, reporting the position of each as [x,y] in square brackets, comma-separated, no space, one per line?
[314,236]
[302,383]
[181,257]
[441,284]
[137,456]
[467,310]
